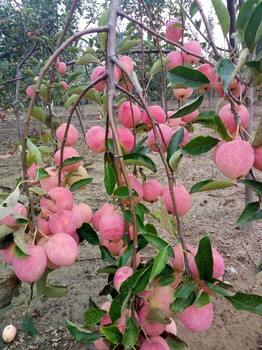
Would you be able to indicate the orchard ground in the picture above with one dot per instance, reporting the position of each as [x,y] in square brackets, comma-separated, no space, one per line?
[213,213]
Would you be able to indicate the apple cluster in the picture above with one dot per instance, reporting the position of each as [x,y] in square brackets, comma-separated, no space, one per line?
[54,241]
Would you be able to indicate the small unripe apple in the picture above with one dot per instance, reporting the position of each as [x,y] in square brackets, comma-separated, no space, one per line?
[9,333]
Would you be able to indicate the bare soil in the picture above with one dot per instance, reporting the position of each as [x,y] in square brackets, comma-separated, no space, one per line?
[213,214]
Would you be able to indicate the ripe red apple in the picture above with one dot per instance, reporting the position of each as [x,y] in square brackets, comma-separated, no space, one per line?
[195,48]
[129,114]
[188,118]
[29,91]
[63,221]
[182,197]
[112,226]
[152,190]
[72,135]
[97,72]
[208,70]
[186,135]
[51,182]
[197,319]
[235,158]
[126,138]
[258,158]
[62,249]
[32,267]
[8,254]
[227,117]
[61,67]
[69,152]
[121,275]
[182,93]
[113,247]
[95,139]
[176,59]
[128,65]
[105,209]
[57,198]
[173,121]
[158,114]
[174,30]
[164,141]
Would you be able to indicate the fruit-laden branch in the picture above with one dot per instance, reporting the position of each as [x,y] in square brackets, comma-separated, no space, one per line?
[97,80]
[164,161]
[33,100]
[111,89]
[201,58]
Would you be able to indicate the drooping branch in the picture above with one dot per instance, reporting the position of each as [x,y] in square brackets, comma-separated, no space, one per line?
[232,29]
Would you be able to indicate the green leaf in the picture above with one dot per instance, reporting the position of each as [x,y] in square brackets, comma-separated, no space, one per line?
[131,333]
[193,9]
[105,254]
[55,291]
[188,107]
[256,186]
[33,149]
[122,192]
[182,76]
[142,281]
[185,289]
[157,65]
[128,217]
[71,100]
[159,264]
[225,69]
[251,212]
[220,288]
[112,333]
[41,174]
[245,13]
[7,206]
[176,343]
[118,304]
[74,75]
[200,145]
[101,22]
[94,96]
[5,231]
[221,128]
[210,185]
[166,281]
[140,160]
[109,178]
[19,239]
[259,267]
[253,32]
[126,45]
[180,304]
[72,160]
[94,316]
[175,141]
[203,299]
[222,15]
[39,114]
[247,302]
[158,243]
[80,333]
[86,59]
[204,259]
[175,159]
[29,328]
[80,183]
[87,232]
